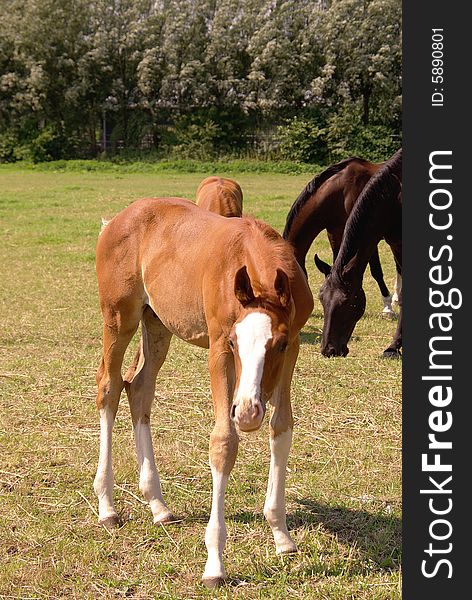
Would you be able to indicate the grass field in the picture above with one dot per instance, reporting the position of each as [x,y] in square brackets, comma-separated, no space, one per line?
[344,483]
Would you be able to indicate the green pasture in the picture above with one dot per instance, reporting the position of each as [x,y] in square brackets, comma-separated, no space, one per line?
[344,480]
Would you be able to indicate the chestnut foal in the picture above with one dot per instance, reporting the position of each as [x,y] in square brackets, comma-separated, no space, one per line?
[230,285]
[220,195]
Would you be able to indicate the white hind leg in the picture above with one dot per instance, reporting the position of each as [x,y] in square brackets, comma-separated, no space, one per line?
[140,387]
[397,290]
[387,307]
[110,384]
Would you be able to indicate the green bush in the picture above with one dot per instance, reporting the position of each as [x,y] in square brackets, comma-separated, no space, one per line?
[8,148]
[347,136]
[194,138]
[302,140]
[49,144]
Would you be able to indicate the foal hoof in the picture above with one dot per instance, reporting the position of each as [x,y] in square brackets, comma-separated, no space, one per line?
[110,522]
[212,582]
[165,519]
[390,353]
[286,549]
[388,314]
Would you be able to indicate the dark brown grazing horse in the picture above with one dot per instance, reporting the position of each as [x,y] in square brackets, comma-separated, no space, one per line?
[230,285]
[220,195]
[377,214]
[326,203]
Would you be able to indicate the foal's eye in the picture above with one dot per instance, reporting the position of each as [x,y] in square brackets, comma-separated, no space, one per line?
[283,347]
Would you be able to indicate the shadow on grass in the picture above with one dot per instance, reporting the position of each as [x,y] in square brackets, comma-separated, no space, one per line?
[377,536]
[245,516]
[311,335]
[374,537]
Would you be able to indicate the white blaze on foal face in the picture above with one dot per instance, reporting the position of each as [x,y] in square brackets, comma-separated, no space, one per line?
[252,335]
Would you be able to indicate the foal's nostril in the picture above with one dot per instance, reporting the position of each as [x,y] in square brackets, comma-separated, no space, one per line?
[256,410]
[233,411]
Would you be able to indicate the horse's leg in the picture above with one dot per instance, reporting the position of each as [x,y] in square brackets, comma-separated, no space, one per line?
[393,351]
[140,383]
[223,450]
[398,285]
[377,274]
[281,426]
[117,333]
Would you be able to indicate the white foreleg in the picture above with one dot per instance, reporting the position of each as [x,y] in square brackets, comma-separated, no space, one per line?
[274,508]
[215,535]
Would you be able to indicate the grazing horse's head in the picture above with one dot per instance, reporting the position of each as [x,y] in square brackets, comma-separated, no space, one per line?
[343,301]
[258,341]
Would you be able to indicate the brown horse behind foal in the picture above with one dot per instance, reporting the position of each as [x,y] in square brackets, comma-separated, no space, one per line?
[220,195]
[326,203]
[230,285]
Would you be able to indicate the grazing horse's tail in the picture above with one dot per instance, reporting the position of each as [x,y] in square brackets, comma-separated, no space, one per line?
[311,188]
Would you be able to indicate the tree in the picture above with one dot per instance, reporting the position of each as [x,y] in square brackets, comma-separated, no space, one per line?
[219,67]
[281,60]
[362,45]
[227,53]
[118,41]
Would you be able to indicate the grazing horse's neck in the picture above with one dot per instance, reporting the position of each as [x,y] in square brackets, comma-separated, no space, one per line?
[362,234]
[376,211]
[358,259]
[299,230]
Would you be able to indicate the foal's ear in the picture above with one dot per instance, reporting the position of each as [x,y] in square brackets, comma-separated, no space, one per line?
[322,266]
[242,287]
[282,287]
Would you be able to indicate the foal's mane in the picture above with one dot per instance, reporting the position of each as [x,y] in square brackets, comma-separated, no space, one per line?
[383,187]
[312,187]
[267,242]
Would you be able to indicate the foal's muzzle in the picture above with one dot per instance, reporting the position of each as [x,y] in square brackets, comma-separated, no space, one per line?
[248,414]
